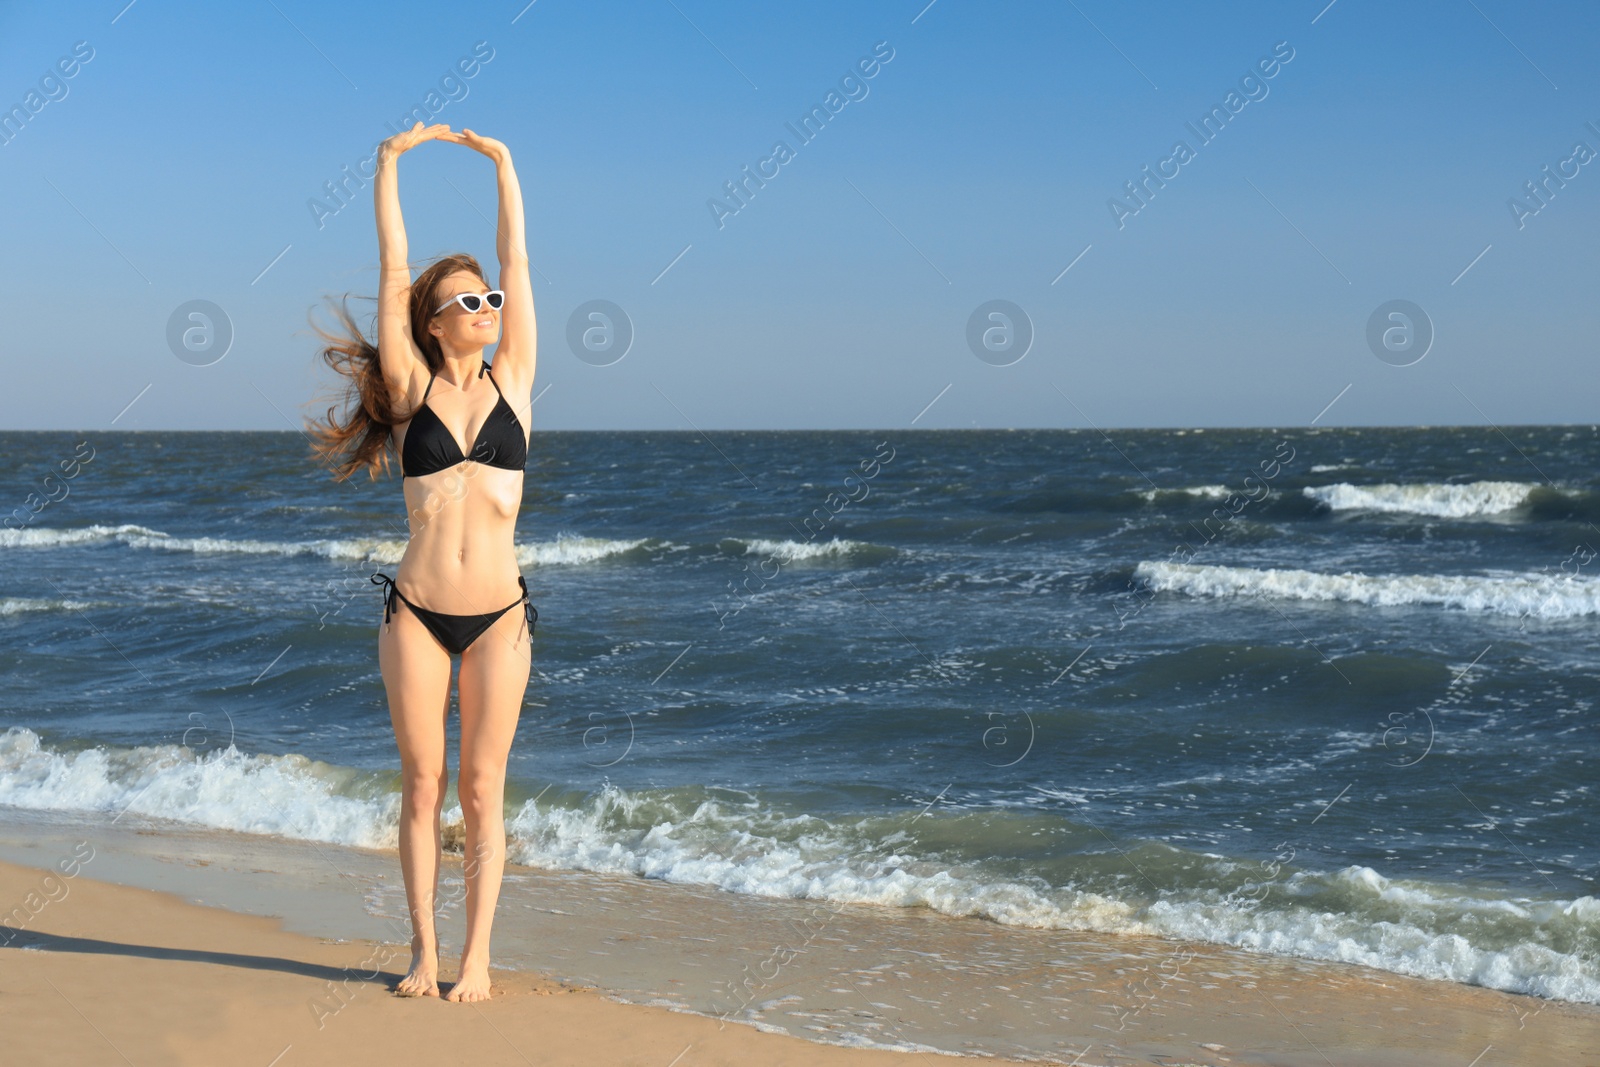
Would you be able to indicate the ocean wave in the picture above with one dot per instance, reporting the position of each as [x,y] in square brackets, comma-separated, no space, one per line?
[1457,501]
[801,551]
[744,847]
[223,788]
[16,605]
[1541,596]
[570,549]
[52,537]
[565,549]
[738,843]
[1204,492]
[1544,948]
[1356,915]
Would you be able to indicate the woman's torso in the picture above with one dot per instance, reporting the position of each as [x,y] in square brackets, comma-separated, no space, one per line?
[461,556]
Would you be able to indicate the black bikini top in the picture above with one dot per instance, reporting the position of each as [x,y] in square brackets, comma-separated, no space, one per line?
[431,447]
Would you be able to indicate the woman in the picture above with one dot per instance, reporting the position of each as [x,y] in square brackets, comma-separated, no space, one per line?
[421,392]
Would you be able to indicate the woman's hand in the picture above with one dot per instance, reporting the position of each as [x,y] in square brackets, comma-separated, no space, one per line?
[406,140]
[495,150]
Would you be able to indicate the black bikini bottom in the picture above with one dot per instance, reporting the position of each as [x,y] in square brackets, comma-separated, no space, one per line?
[455,632]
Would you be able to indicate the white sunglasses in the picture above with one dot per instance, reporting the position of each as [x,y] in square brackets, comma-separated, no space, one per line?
[473,301]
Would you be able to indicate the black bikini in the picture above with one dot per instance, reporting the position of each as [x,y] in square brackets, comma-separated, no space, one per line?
[430,447]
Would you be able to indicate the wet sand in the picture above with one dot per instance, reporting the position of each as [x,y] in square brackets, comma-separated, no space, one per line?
[626,970]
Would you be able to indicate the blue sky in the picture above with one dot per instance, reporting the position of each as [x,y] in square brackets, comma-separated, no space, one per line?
[180,162]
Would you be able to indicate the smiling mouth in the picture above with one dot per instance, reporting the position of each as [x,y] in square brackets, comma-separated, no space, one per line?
[484,322]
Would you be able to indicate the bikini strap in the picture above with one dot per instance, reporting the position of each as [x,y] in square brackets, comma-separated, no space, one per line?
[431,376]
[483,370]
[389,591]
[529,611]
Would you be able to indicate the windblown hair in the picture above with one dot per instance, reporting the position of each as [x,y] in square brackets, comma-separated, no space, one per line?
[359,438]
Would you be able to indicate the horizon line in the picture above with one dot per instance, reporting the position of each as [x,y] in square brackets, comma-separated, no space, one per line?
[927,429]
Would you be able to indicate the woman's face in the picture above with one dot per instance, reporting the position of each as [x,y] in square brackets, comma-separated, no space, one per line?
[457,328]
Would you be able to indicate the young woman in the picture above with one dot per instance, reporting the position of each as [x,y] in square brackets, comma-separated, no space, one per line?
[460,430]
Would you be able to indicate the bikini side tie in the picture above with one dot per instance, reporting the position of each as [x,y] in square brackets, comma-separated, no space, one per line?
[529,611]
[389,591]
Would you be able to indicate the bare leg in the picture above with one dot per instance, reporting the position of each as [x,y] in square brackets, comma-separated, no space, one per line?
[493,681]
[416,675]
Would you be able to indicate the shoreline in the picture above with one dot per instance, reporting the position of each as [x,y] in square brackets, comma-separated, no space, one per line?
[661,961]
[161,980]
[1185,429]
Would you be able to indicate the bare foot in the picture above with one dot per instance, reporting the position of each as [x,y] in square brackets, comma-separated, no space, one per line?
[423,979]
[472,985]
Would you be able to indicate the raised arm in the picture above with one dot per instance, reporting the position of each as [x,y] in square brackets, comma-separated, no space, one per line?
[402,361]
[517,354]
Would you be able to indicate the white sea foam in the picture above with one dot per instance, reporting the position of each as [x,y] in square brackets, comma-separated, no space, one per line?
[565,549]
[51,537]
[1463,501]
[737,849]
[16,605]
[1542,596]
[741,848]
[1427,929]
[1431,938]
[287,795]
[379,550]
[1205,492]
[796,551]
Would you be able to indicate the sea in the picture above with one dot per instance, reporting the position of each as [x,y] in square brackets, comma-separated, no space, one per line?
[1318,693]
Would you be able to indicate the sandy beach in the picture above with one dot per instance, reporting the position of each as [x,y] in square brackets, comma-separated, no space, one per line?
[137,976]
[98,972]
